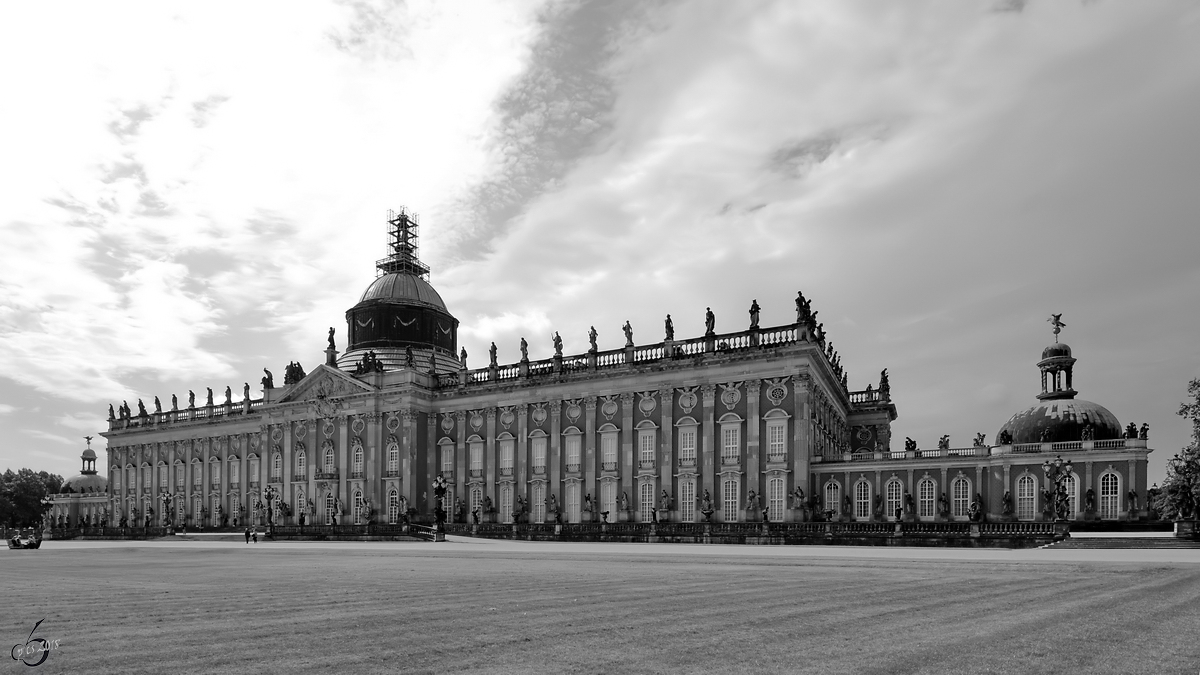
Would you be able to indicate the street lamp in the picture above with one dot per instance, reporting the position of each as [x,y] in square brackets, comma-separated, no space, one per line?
[47,504]
[167,500]
[439,495]
[1057,472]
[270,495]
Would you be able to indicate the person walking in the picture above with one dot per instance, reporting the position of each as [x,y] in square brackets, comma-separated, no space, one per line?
[254,534]
[247,535]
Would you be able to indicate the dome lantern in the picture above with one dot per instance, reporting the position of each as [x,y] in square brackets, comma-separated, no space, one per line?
[1056,365]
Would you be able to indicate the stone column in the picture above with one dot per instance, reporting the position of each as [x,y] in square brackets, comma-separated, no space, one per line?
[628,466]
[666,448]
[708,441]
[754,460]
[489,459]
[409,448]
[343,486]
[589,448]
[462,462]
[801,444]
[408,472]
[521,453]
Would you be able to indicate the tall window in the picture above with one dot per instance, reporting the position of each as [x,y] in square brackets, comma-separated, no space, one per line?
[506,457]
[301,466]
[729,499]
[776,441]
[862,500]
[214,471]
[894,496]
[162,476]
[687,500]
[687,446]
[608,499]
[359,510]
[254,470]
[608,450]
[179,470]
[646,501]
[574,441]
[573,502]
[147,479]
[358,460]
[477,500]
[327,460]
[277,467]
[301,505]
[197,507]
[235,469]
[1026,497]
[926,491]
[775,499]
[833,497]
[537,510]
[960,504]
[646,448]
[477,456]
[506,503]
[538,450]
[448,459]
[117,479]
[730,443]
[212,511]
[1072,491]
[393,507]
[329,508]
[393,458]
[1110,496]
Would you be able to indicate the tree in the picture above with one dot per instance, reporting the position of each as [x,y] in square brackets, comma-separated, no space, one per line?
[21,495]
[1180,492]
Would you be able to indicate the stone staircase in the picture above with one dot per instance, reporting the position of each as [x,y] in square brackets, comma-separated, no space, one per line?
[1124,542]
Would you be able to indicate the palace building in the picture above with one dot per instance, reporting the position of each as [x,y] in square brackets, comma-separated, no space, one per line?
[743,426]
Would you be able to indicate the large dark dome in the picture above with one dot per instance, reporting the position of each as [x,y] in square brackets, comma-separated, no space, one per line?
[405,289]
[85,483]
[1064,419]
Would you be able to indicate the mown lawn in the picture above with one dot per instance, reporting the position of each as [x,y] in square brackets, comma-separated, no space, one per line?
[279,608]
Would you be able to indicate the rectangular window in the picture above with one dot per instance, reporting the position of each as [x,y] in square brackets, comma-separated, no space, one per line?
[608,499]
[477,457]
[925,498]
[476,500]
[448,459]
[538,450]
[178,479]
[506,457]
[775,500]
[730,444]
[572,502]
[646,501]
[1110,496]
[277,467]
[197,475]
[777,441]
[895,493]
[687,447]
[729,495]
[646,448]
[573,443]
[538,505]
[506,503]
[254,474]
[608,451]
[234,471]
[162,476]
[687,501]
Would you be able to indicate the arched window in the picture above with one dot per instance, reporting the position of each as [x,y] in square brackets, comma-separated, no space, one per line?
[393,507]
[301,505]
[393,458]
[1026,497]
[687,500]
[926,496]
[213,511]
[234,471]
[277,467]
[687,442]
[960,497]
[775,499]
[197,507]
[476,447]
[329,508]
[162,476]
[537,506]
[608,499]
[833,497]
[447,452]
[1072,487]
[327,460]
[1110,495]
[357,468]
[537,452]
[573,502]
[179,471]
[729,499]
[574,442]
[477,500]
[507,445]
[893,497]
[862,500]
[358,507]
[645,501]
[506,503]
[301,466]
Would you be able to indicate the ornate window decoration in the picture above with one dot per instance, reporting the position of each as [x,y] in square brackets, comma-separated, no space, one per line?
[506,416]
[609,406]
[730,395]
[574,410]
[358,425]
[447,423]
[476,420]
[301,429]
[688,399]
[538,414]
[776,390]
[647,402]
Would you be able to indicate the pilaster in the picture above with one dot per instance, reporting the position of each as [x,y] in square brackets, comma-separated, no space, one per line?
[707,455]
[489,458]
[754,461]
[628,467]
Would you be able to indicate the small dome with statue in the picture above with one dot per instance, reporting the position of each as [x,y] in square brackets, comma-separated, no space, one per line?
[88,481]
[1060,417]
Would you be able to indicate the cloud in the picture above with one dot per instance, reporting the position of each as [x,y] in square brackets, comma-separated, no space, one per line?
[6,408]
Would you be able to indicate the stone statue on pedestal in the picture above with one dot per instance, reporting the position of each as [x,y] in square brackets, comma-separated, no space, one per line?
[710,321]
[670,326]
[557,344]
[628,333]
[754,310]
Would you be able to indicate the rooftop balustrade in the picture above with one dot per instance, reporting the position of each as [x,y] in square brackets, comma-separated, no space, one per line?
[985,451]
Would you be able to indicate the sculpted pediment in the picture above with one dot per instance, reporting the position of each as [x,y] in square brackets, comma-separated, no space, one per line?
[323,387]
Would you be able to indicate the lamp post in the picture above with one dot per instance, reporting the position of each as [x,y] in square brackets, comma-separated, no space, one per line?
[439,507]
[1057,471]
[47,504]
[270,495]
[167,500]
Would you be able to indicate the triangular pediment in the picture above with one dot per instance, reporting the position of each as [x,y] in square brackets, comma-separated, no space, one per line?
[325,383]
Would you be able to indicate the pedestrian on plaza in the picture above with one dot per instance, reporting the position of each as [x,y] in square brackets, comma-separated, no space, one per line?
[254,534]
[247,535]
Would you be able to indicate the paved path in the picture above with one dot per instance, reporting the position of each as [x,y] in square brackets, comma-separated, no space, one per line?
[455,545]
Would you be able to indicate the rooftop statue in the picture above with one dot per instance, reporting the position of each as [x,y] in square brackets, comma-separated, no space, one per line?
[112,415]
[408,357]
[174,402]
[979,440]
[331,344]
[191,399]
[228,395]
[524,349]
[157,405]
[592,338]
[710,321]
[462,357]
[885,388]
[670,325]
[141,408]
[1056,321]
[557,344]
[245,391]
[754,309]
[210,396]
[944,442]
[492,353]
[268,380]
[628,333]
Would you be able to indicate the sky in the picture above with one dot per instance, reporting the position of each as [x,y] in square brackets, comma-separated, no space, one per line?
[191,192]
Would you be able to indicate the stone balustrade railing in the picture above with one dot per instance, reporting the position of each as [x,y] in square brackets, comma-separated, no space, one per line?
[985,451]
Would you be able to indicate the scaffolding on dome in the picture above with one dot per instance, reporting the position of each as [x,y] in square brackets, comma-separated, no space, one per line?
[403,235]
